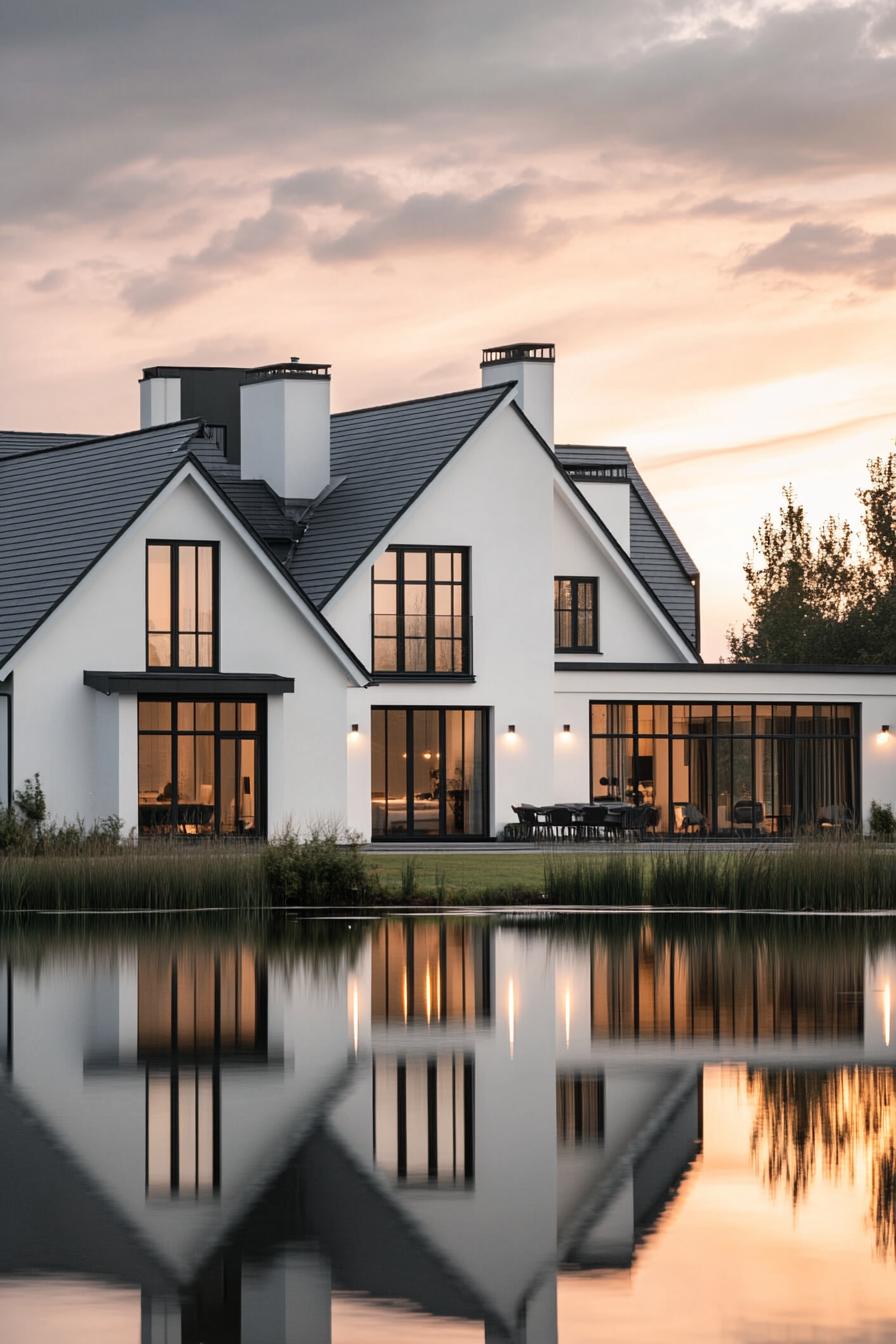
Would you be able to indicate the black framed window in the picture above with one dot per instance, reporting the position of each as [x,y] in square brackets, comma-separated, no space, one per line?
[575,615]
[181,604]
[421,611]
[200,766]
[423,1119]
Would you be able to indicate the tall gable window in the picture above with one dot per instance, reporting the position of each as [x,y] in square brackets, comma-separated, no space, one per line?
[575,616]
[181,604]
[421,604]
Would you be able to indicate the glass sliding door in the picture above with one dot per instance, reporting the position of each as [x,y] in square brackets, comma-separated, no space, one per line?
[429,773]
[199,767]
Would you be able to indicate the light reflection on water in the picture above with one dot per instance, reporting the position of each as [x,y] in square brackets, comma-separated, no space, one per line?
[505,1131]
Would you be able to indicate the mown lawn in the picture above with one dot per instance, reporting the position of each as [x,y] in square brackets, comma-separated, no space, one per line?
[454,876]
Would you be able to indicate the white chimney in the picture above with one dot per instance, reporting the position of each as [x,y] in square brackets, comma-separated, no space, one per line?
[285,428]
[531,365]
[159,397]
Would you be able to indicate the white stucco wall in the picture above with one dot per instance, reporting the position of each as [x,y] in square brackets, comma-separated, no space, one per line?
[875,694]
[610,500]
[85,745]
[630,628]
[5,744]
[494,496]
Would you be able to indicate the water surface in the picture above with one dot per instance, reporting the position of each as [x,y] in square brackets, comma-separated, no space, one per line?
[509,1130]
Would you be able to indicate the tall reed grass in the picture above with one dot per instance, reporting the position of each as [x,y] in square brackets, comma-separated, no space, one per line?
[828,876]
[152,878]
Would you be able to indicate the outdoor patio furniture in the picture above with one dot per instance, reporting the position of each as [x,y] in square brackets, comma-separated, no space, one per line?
[641,819]
[560,823]
[591,822]
[747,815]
[692,819]
[531,824]
[834,818]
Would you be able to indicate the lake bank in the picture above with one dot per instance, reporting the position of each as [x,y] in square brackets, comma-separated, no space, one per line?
[848,876]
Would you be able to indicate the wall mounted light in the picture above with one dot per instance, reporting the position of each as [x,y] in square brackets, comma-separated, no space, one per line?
[354,732]
[511,730]
[566,730]
[883,736]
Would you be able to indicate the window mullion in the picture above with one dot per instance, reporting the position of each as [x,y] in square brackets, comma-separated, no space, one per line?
[399,609]
[430,610]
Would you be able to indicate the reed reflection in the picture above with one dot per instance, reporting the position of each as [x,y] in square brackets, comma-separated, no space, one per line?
[810,1122]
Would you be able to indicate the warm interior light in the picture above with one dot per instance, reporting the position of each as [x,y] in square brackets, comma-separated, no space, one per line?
[567,1013]
[884,735]
[355,1015]
[887,1013]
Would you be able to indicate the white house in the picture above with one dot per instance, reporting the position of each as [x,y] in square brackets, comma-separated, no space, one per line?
[410,618]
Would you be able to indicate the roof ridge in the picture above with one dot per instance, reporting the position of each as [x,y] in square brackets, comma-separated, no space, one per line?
[417,401]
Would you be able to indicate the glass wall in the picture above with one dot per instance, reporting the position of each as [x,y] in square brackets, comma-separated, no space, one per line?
[198,766]
[429,773]
[730,769]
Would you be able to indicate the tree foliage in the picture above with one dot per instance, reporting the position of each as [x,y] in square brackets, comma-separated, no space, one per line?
[825,596]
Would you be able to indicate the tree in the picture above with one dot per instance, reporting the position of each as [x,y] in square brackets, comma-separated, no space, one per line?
[825,597]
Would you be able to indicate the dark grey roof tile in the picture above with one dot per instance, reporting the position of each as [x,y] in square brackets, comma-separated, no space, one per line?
[60,509]
[13,441]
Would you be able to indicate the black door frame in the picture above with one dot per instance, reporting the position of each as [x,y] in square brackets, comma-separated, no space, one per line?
[442,836]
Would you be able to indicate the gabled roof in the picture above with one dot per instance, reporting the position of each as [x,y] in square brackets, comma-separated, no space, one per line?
[25,441]
[656,549]
[61,509]
[387,454]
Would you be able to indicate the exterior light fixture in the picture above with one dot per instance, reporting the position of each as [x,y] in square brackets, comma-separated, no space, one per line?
[354,731]
[511,730]
[883,736]
[566,730]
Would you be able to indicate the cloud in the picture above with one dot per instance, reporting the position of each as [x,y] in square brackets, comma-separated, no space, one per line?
[829,249]
[350,190]
[427,220]
[384,226]
[765,92]
[186,275]
[49,282]
[733,207]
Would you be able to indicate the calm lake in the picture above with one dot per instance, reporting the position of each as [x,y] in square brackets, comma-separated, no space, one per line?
[508,1129]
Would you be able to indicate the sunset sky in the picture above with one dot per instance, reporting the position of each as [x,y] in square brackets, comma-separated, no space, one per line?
[694,200]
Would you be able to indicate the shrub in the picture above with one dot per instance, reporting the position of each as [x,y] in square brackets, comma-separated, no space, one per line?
[882,821]
[323,868]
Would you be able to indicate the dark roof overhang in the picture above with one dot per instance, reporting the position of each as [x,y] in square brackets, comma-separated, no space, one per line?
[189,683]
[802,669]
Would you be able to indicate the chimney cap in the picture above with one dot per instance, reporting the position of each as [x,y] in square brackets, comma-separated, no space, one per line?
[289,369]
[512,354]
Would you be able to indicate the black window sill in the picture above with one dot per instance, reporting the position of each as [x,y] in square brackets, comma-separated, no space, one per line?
[456,678]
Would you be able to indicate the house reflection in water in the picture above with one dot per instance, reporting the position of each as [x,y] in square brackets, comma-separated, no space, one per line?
[431,972]
[238,1138]
[194,1012]
[716,989]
